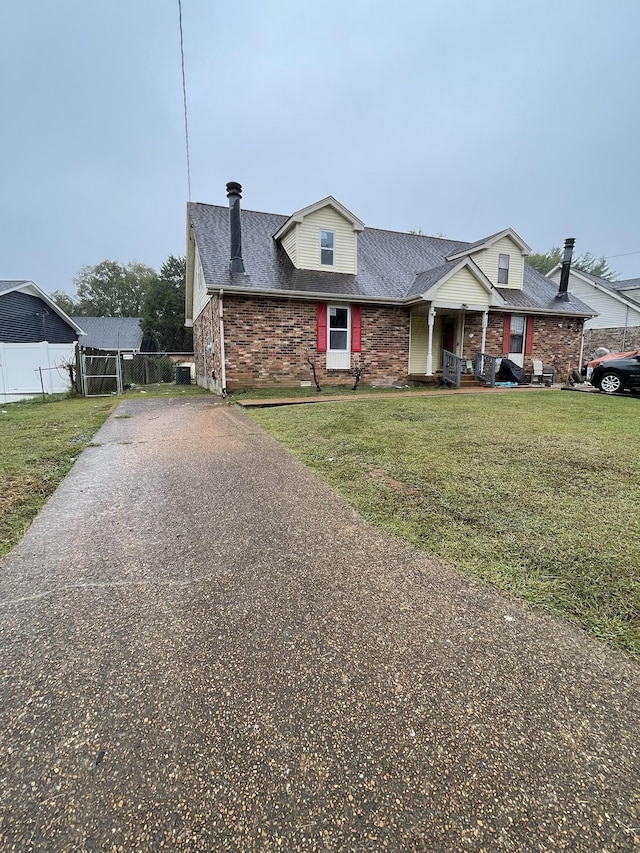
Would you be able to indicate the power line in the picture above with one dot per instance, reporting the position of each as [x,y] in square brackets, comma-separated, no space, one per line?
[184,100]
[623,255]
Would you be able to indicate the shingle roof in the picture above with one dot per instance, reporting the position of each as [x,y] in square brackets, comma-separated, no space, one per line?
[110,332]
[388,263]
[9,285]
[626,284]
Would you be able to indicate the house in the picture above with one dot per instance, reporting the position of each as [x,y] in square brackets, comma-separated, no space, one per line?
[37,342]
[118,334]
[270,295]
[617,303]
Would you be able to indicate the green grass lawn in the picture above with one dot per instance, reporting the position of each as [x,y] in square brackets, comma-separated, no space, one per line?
[537,494]
[39,443]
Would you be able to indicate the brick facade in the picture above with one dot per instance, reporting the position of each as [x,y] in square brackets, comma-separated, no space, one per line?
[616,340]
[268,342]
[206,347]
[556,341]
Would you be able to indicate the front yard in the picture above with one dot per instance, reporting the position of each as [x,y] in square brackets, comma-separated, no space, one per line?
[537,494]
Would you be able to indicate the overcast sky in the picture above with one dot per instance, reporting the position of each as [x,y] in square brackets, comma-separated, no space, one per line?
[458,117]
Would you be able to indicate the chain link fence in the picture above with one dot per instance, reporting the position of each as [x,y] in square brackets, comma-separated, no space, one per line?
[105,372]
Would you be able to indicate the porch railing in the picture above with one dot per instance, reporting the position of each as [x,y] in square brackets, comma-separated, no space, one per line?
[451,369]
[484,368]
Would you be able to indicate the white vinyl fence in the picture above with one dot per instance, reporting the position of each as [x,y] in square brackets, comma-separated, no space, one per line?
[27,370]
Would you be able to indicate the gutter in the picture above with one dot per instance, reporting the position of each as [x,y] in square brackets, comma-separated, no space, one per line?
[380,300]
[311,297]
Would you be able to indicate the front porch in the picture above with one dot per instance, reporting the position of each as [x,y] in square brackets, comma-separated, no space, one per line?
[457,372]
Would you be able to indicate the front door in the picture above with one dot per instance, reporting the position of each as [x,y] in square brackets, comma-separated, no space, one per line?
[448,335]
[516,340]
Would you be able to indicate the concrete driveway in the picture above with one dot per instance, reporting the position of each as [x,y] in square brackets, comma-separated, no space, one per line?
[204,649]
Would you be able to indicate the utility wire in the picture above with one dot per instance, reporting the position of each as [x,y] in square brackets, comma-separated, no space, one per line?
[184,100]
[623,255]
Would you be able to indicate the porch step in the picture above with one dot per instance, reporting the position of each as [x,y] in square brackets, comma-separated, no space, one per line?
[466,380]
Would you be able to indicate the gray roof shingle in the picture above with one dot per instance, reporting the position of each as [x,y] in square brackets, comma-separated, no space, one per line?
[110,332]
[392,265]
[9,285]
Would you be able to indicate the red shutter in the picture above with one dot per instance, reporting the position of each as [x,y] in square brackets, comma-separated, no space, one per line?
[528,341]
[321,327]
[356,328]
[506,334]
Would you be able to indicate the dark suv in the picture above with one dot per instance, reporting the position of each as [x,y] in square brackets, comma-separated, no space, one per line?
[617,374]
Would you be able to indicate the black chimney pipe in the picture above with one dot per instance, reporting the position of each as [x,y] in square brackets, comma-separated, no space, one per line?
[234,194]
[563,291]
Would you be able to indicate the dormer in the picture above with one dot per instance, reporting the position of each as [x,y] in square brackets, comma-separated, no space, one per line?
[323,236]
[500,257]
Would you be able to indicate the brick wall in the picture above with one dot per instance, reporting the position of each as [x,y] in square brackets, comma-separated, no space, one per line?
[556,341]
[268,341]
[206,347]
[616,340]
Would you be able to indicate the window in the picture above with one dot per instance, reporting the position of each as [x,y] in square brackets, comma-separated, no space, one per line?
[338,329]
[327,248]
[516,334]
[503,269]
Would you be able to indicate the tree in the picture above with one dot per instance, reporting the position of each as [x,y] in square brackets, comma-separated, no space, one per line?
[65,301]
[545,261]
[111,289]
[163,309]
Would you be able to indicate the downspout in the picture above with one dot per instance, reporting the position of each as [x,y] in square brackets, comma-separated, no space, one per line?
[485,323]
[213,346]
[222,353]
[624,334]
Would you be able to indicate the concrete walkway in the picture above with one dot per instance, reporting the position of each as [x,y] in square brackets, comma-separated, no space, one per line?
[204,650]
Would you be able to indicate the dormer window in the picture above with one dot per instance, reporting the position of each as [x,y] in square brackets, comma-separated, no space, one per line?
[503,269]
[327,248]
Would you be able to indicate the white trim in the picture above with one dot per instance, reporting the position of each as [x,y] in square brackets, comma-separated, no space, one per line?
[338,359]
[325,249]
[476,272]
[489,241]
[431,321]
[32,289]
[318,296]
[615,294]
[502,255]
[485,323]
[297,217]
[223,368]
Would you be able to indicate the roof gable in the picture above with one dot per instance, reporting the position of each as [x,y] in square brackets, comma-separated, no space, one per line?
[32,289]
[487,242]
[427,285]
[297,217]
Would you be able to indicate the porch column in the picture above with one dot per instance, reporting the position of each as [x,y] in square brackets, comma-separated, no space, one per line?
[485,323]
[432,319]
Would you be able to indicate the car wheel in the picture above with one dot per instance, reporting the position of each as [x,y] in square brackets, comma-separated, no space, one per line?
[611,383]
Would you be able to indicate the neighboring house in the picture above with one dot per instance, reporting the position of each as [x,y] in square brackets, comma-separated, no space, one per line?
[122,334]
[37,342]
[617,303]
[267,294]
